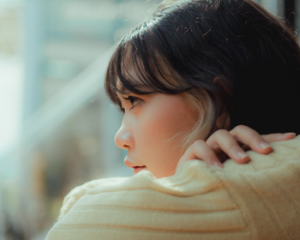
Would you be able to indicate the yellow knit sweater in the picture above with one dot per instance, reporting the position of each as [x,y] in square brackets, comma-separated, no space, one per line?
[259,200]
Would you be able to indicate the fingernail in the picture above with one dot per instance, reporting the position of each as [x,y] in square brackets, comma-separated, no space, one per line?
[264,145]
[290,133]
[241,155]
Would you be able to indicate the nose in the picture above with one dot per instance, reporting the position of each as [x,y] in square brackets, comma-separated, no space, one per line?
[124,138]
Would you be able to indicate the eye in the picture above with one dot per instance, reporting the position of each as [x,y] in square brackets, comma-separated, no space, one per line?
[133,101]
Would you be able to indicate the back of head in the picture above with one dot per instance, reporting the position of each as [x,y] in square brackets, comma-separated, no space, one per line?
[265,59]
[253,56]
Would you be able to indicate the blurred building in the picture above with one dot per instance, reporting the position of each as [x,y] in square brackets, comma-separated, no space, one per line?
[56,53]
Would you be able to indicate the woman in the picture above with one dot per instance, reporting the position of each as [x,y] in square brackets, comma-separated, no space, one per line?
[231,62]
[189,81]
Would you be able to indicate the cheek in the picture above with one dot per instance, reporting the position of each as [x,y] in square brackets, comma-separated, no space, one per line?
[159,132]
[178,119]
[166,124]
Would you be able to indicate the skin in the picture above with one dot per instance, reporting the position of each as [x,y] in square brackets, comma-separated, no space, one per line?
[154,127]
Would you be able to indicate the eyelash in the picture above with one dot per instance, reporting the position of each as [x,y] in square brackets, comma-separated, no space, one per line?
[132,100]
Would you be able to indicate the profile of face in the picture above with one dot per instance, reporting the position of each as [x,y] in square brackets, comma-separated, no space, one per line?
[204,48]
[153,130]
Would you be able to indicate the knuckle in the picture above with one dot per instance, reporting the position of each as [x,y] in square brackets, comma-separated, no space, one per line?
[221,133]
[200,147]
[198,142]
[239,128]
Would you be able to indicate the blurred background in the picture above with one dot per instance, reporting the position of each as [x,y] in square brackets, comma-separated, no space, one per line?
[56,124]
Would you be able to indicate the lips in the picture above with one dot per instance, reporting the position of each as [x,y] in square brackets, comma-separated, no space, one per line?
[138,168]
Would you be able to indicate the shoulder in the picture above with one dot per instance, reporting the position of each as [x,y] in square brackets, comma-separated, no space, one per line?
[79,191]
[283,153]
[256,200]
[266,190]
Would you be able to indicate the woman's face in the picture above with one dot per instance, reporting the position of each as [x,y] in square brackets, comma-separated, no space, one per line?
[153,130]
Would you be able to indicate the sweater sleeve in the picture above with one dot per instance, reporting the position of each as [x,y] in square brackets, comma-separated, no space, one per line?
[259,200]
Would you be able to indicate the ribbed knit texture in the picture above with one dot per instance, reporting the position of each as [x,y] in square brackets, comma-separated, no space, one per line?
[259,200]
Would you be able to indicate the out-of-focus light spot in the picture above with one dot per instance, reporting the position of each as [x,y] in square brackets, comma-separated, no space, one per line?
[10,101]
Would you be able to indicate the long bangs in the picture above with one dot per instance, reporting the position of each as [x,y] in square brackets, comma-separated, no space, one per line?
[137,66]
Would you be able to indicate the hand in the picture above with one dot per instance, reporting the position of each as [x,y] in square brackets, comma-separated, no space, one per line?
[224,144]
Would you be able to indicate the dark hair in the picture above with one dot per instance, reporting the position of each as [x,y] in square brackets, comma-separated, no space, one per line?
[254,57]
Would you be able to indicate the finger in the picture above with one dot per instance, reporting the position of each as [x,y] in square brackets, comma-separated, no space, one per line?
[228,144]
[200,150]
[251,138]
[274,137]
